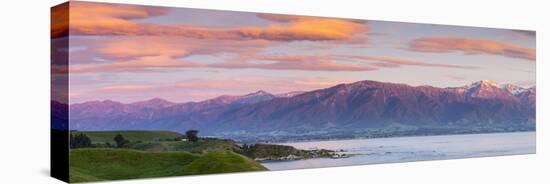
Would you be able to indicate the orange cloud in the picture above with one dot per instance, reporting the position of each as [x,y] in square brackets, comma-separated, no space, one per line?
[132,55]
[306,29]
[294,18]
[471,46]
[129,54]
[122,55]
[59,20]
[112,19]
[172,52]
[312,28]
[132,49]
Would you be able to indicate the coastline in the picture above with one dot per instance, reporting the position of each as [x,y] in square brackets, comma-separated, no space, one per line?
[422,148]
[389,137]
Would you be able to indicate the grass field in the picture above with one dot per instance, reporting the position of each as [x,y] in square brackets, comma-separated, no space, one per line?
[113,164]
[222,162]
[150,154]
[99,137]
[201,146]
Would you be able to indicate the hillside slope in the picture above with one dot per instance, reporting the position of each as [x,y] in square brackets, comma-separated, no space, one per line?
[115,164]
[349,107]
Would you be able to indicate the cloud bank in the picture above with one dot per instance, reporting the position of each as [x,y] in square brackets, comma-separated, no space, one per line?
[471,46]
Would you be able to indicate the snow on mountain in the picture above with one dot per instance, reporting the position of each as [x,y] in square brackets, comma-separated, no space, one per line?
[255,97]
[244,99]
[289,94]
[490,89]
[515,90]
[363,104]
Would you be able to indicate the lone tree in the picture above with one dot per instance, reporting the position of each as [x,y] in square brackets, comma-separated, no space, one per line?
[120,141]
[192,135]
[80,141]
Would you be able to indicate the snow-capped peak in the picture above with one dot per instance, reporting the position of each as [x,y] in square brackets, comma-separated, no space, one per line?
[257,96]
[484,86]
[258,93]
[514,89]
[289,94]
[483,83]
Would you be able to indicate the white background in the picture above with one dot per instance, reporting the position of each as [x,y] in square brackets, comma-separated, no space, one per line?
[24,90]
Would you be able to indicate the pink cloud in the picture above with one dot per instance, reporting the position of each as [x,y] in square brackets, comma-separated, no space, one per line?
[127,54]
[135,65]
[472,46]
[396,62]
[130,54]
[295,62]
[172,52]
[205,88]
[125,88]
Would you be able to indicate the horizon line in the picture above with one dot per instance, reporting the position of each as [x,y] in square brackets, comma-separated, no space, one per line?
[275,94]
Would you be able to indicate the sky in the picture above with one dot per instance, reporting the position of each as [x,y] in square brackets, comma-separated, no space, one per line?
[131,53]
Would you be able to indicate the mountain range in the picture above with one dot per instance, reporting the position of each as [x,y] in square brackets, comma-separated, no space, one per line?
[363,105]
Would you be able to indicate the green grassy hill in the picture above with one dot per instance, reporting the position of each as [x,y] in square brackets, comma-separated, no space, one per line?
[222,162]
[201,146]
[114,164]
[150,154]
[99,137]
